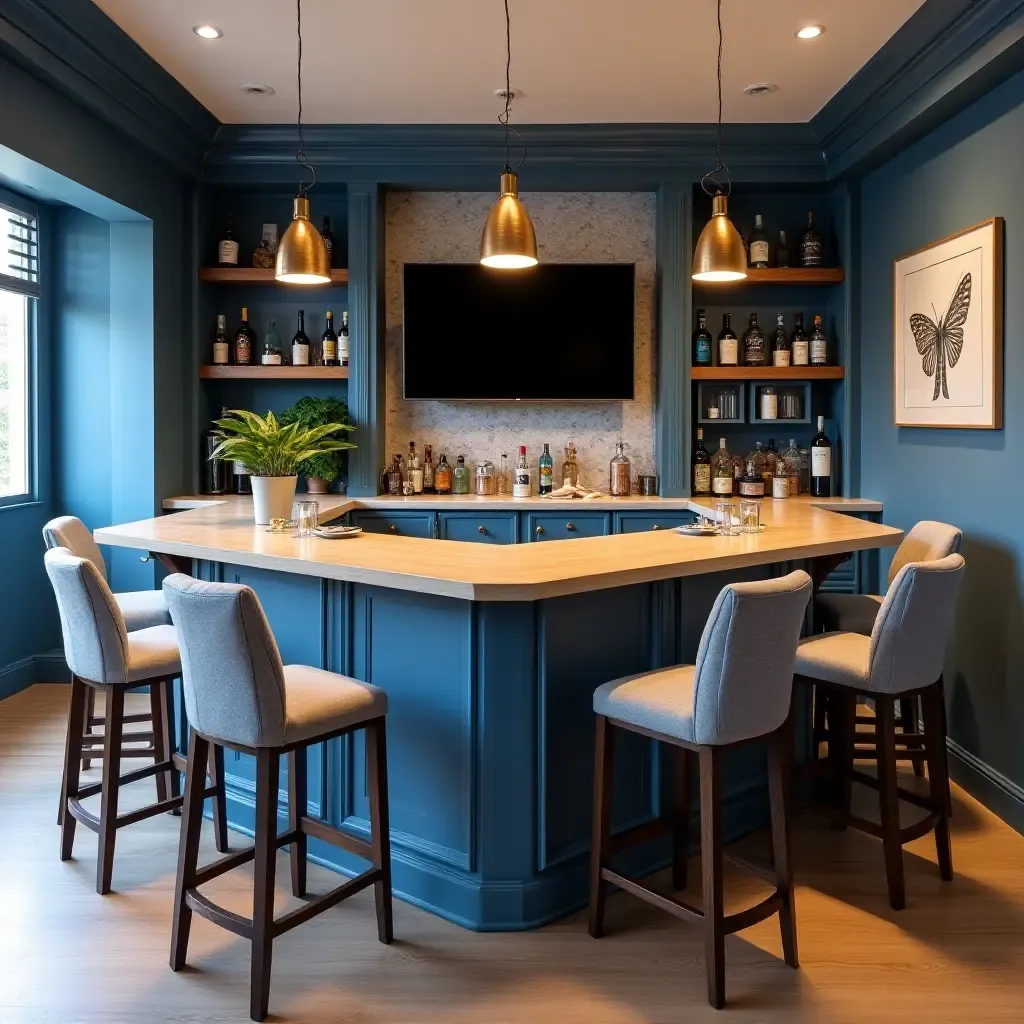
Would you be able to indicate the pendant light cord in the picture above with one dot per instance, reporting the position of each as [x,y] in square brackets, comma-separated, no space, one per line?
[300,154]
[506,114]
[710,182]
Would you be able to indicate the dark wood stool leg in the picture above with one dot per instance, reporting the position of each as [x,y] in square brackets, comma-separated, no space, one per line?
[113,728]
[170,734]
[780,757]
[219,800]
[380,825]
[265,838]
[90,714]
[77,709]
[161,737]
[188,848]
[885,742]
[681,819]
[938,774]
[601,823]
[842,720]
[298,808]
[818,733]
[711,870]
[909,717]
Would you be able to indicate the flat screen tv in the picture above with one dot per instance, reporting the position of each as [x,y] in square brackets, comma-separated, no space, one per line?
[555,332]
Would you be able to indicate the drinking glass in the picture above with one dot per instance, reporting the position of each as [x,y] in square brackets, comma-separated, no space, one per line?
[750,516]
[725,512]
[306,517]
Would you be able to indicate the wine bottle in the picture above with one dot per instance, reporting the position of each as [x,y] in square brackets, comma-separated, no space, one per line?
[545,472]
[721,471]
[821,463]
[780,343]
[818,344]
[782,251]
[227,247]
[329,343]
[701,466]
[522,484]
[328,241]
[220,342]
[300,343]
[810,244]
[758,245]
[702,340]
[244,341]
[728,344]
[343,339]
[753,344]
[271,346]
[800,348]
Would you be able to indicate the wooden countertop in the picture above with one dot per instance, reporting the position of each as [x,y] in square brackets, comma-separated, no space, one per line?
[223,531]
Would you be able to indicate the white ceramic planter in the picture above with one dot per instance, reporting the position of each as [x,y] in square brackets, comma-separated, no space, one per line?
[272,498]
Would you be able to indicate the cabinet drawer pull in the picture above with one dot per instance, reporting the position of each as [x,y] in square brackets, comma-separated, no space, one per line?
[656,526]
[393,528]
[570,527]
[482,529]
[540,530]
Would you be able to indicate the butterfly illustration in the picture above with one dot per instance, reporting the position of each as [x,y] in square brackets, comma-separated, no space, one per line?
[940,344]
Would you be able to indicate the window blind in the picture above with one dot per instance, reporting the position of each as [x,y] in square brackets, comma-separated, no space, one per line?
[19,253]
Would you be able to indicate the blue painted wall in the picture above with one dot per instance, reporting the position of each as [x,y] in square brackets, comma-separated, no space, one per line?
[962,173]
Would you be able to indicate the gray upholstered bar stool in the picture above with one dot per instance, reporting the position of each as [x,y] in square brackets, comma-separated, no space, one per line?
[140,609]
[927,541]
[902,658]
[740,690]
[102,654]
[238,693]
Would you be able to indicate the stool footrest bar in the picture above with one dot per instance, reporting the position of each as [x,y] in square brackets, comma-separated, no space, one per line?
[218,915]
[325,902]
[336,837]
[639,834]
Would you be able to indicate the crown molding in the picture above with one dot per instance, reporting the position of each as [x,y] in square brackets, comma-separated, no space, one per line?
[75,48]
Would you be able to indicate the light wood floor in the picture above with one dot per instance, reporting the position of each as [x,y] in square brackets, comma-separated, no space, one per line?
[68,956]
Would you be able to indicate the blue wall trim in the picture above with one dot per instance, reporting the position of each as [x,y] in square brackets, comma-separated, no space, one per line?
[1002,796]
[17,676]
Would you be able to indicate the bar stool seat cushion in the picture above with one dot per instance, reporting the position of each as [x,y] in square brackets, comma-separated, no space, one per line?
[849,613]
[319,702]
[153,652]
[143,608]
[659,701]
[841,658]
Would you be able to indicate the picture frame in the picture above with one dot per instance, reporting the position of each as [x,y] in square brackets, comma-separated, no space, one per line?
[948,331]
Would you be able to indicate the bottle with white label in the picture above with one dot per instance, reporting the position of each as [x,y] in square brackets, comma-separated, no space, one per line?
[758,245]
[780,343]
[271,346]
[522,484]
[821,463]
[728,343]
[818,344]
[227,247]
[343,338]
[220,342]
[721,471]
[799,348]
[300,342]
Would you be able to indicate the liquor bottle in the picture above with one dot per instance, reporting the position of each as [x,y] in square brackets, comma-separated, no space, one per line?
[521,483]
[728,344]
[800,348]
[243,483]
[545,472]
[329,343]
[702,341]
[220,342]
[821,463]
[343,339]
[570,468]
[244,341]
[769,460]
[271,346]
[395,476]
[794,465]
[414,469]
[753,344]
[443,476]
[780,343]
[383,482]
[701,466]
[328,241]
[755,458]
[227,247]
[758,246]
[780,481]
[428,470]
[782,251]
[751,483]
[460,477]
[504,481]
[300,343]
[819,343]
[810,244]
[619,472]
[721,471]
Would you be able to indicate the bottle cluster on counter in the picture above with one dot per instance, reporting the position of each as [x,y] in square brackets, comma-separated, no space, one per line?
[757,349]
[516,477]
[245,349]
[765,471]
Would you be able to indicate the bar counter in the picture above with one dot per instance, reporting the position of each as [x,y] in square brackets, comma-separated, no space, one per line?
[490,652]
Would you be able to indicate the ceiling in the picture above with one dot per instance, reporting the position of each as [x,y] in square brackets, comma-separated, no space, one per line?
[574,61]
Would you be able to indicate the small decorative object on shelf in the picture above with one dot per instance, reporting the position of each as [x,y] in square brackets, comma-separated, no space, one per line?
[264,255]
[620,472]
[769,404]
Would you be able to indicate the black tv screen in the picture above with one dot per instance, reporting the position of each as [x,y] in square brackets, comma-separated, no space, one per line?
[555,332]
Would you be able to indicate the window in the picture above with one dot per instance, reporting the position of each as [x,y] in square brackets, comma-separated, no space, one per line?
[19,286]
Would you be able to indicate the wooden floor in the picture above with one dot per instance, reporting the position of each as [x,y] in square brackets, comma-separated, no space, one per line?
[68,956]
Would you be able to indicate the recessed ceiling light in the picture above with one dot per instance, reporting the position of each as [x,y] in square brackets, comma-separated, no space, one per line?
[760,88]
[513,94]
[207,31]
[256,89]
[810,31]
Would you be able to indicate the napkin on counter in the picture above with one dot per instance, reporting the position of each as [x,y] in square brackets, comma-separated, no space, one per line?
[573,491]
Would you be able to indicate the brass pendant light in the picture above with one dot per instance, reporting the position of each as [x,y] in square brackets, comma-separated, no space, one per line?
[302,256]
[719,255]
[508,241]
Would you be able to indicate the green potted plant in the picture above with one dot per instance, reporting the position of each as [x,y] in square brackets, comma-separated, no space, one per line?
[271,451]
[321,470]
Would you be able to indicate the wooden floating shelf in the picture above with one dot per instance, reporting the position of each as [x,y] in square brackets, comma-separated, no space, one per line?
[273,372]
[767,373]
[782,275]
[258,275]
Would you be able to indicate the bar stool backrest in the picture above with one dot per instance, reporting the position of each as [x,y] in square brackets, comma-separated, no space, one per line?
[743,680]
[928,541]
[71,533]
[232,674]
[908,642]
[95,637]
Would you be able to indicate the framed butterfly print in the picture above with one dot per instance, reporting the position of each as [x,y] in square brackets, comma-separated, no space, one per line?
[948,331]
